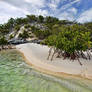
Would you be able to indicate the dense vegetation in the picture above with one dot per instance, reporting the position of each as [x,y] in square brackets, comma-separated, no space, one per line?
[67,38]
[3,41]
[45,24]
[70,42]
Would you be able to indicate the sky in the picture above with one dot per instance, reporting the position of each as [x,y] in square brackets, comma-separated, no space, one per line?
[79,10]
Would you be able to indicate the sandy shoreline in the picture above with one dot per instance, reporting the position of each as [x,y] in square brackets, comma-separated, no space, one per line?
[36,55]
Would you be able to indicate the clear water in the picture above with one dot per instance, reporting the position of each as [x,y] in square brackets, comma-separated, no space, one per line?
[17,76]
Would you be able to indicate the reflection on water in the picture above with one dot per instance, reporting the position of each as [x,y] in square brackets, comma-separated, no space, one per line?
[17,76]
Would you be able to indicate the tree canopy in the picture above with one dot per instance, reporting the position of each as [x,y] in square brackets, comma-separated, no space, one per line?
[70,42]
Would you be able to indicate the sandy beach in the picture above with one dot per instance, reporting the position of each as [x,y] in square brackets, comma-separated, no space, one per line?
[36,55]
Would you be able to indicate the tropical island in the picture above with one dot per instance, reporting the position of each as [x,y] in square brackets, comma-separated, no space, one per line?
[56,47]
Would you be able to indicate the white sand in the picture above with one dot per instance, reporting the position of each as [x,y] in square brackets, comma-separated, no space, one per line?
[37,56]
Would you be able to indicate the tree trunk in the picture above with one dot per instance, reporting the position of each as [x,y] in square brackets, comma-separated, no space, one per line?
[83,56]
[53,54]
[88,55]
[2,47]
[49,53]
[78,59]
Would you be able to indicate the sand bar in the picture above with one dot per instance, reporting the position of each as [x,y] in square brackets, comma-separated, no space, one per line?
[36,55]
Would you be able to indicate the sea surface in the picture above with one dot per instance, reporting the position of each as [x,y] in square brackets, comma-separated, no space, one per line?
[17,76]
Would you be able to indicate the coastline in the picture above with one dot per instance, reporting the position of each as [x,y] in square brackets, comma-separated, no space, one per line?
[50,70]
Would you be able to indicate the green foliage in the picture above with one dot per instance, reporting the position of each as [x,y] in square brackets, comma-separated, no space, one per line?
[51,40]
[31,18]
[11,36]
[89,27]
[69,40]
[24,35]
[66,22]
[3,41]
[33,28]
[42,34]
[10,23]
[50,19]
[3,29]
[27,26]
[17,27]
[40,19]
[20,21]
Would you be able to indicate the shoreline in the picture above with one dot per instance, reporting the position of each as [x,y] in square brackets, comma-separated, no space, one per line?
[50,71]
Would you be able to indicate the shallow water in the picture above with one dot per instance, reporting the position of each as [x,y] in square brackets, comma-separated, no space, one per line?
[17,76]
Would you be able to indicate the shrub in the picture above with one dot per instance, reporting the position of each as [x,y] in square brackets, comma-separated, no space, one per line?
[70,43]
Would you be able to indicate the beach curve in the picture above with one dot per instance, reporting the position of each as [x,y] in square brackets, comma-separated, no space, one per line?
[35,55]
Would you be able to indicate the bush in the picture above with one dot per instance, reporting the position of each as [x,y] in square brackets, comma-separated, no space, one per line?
[42,34]
[3,41]
[11,36]
[27,26]
[17,27]
[24,35]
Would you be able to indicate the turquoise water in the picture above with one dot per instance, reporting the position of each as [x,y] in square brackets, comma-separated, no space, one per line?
[17,76]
